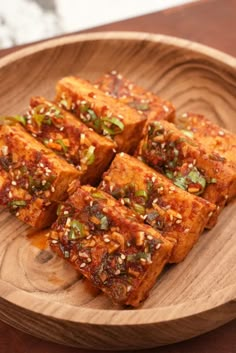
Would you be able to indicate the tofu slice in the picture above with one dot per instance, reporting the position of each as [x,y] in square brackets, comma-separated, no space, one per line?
[146,103]
[104,241]
[173,212]
[215,139]
[32,178]
[106,115]
[68,137]
[188,165]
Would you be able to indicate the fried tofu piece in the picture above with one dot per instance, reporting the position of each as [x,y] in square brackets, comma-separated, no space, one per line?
[215,139]
[106,115]
[146,103]
[104,241]
[188,165]
[68,137]
[32,178]
[173,212]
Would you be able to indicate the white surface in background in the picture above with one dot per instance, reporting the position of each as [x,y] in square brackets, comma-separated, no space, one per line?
[90,13]
[23,21]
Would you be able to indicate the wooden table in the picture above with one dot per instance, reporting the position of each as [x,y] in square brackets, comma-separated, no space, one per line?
[211,22]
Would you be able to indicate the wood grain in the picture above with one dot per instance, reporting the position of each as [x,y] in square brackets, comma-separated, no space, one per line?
[42,295]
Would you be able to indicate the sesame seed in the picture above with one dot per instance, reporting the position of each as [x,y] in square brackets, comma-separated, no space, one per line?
[10,194]
[13,182]
[44,182]
[149,237]
[166,109]
[17,214]
[185,115]
[66,212]
[186,230]
[120,261]
[119,76]
[178,221]
[210,214]
[89,259]
[117,272]
[129,287]
[83,254]
[122,201]
[62,128]
[154,201]
[158,246]
[122,154]
[114,72]
[107,240]
[91,203]
[54,241]
[221,133]
[114,150]
[154,179]
[68,221]
[123,256]
[83,265]
[5,150]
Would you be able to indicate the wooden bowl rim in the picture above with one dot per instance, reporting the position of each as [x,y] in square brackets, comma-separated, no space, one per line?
[84,315]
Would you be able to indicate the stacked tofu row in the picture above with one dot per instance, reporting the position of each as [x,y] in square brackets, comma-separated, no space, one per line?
[125,185]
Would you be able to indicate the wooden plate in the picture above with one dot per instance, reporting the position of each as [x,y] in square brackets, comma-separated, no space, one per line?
[40,293]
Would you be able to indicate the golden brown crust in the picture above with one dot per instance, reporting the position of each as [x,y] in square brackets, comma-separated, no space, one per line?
[105,242]
[32,177]
[146,103]
[60,131]
[173,212]
[106,115]
[188,165]
[214,138]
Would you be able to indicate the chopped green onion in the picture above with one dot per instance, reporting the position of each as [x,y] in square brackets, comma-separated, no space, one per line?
[17,203]
[138,256]
[64,103]
[59,210]
[98,195]
[19,118]
[104,223]
[212,181]
[114,121]
[92,114]
[139,106]
[141,193]
[139,208]
[188,133]
[76,231]
[89,155]
[84,108]
[63,146]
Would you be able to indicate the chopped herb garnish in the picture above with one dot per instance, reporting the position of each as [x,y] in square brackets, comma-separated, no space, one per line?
[76,230]
[188,133]
[139,106]
[17,203]
[59,210]
[139,208]
[62,144]
[89,155]
[108,124]
[98,195]
[104,223]
[138,256]
[141,193]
